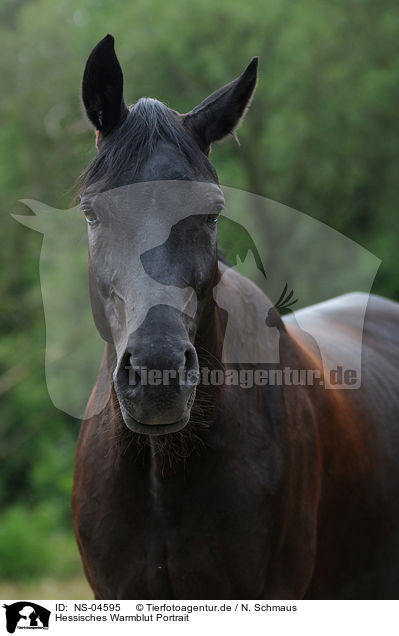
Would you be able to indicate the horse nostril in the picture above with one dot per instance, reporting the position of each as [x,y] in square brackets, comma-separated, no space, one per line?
[190,358]
[191,369]
[140,375]
[132,375]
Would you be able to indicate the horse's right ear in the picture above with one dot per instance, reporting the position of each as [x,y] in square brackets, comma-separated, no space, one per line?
[222,112]
[102,88]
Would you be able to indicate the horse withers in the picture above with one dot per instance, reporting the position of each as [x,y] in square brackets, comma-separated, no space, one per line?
[186,490]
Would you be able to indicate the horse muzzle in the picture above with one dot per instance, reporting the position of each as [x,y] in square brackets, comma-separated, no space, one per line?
[155,384]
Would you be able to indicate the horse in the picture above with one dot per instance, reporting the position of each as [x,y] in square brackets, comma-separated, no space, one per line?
[184,490]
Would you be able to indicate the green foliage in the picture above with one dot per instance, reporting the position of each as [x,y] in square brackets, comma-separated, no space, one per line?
[321,137]
[31,543]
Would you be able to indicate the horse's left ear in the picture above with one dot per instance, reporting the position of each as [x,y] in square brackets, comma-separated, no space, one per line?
[221,113]
[102,88]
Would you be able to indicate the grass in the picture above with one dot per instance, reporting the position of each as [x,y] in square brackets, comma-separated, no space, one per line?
[50,589]
[41,563]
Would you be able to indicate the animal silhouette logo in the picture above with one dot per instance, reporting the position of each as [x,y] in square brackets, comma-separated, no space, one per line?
[260,239]
[26,615]
[248,339]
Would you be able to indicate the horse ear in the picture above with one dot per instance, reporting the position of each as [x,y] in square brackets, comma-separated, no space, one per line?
[221,113]
[102,87]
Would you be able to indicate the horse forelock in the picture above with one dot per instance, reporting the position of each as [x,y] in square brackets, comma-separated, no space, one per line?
[122,154]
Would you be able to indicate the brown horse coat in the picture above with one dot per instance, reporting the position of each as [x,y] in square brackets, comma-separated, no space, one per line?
[293,494]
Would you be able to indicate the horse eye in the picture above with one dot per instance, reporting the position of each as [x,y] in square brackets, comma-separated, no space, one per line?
[212,219]
[91,217]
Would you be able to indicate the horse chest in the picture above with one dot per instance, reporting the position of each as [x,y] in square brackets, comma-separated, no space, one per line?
[201,542]
[202,531]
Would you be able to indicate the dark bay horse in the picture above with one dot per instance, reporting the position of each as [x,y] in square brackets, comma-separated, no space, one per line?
[188,491]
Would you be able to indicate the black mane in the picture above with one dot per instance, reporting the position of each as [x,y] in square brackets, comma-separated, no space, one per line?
[123,153]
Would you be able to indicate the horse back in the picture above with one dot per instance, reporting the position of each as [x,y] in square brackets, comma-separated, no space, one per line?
[358,515]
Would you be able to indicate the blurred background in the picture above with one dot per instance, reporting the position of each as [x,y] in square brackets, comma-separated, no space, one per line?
[321,136]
